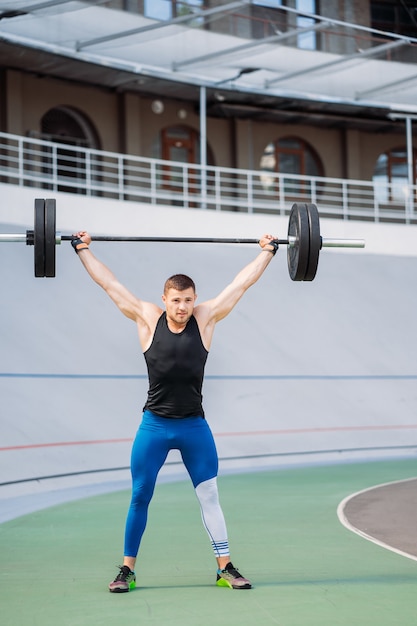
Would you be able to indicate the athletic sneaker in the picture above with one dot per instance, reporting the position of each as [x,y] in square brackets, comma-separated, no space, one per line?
[230,577]
[124,581]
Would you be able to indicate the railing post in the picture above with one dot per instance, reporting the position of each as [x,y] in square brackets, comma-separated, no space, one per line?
[20,161]
[203,147]
[250,191]
[203,186]
[120,177]
[281,194]
[153,182]
[409,204]
[313,188]
[55,168]
[184,168]
[376,203]
[345,201]
[217,190]
[88,176]
[410,169]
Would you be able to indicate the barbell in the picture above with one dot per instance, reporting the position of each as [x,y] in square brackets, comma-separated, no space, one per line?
[303,242]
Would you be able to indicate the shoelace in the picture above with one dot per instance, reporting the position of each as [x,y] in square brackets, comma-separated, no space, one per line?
[233,572]
[123,574]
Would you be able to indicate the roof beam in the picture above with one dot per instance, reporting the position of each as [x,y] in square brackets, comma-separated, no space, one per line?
[386,87]
[37,6]
[370,52]
[226,8]
[253,44]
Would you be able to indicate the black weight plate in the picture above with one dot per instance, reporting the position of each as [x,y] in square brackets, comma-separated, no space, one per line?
[50,220]
[39,238]
[315,242]
[298,252]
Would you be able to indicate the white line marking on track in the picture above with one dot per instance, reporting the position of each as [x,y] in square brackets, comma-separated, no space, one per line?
[345,522]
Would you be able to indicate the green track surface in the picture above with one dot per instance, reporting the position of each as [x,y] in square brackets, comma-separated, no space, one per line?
[307,569]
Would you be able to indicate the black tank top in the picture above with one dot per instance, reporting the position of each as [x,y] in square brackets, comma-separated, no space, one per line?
[175,364]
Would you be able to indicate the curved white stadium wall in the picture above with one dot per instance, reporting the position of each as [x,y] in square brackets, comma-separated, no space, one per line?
[298,373]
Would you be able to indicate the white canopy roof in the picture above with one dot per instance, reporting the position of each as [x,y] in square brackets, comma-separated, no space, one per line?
[127,51]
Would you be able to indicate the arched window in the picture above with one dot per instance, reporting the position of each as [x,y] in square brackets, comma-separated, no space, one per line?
[67,125]
[391,174]
[182,144]
[290,155]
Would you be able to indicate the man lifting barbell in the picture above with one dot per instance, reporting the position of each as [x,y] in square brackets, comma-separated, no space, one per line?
[175,343]
[173,415]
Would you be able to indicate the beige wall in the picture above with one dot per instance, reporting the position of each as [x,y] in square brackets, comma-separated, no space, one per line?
[29,98]
[126,122]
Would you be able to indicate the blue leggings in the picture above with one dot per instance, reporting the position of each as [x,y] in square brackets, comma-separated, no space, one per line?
[155,437]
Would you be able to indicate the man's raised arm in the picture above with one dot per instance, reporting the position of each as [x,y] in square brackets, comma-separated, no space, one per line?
[128,304]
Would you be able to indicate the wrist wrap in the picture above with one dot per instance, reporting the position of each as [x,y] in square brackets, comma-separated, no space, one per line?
[78,244]
[275,245]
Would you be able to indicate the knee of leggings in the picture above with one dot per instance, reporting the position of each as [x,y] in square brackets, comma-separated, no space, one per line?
[207,491]
[141,495]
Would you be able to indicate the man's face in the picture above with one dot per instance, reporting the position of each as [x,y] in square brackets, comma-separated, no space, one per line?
[179,304]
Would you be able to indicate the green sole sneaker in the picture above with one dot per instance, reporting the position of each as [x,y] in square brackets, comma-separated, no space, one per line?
[230,577]
[124,581]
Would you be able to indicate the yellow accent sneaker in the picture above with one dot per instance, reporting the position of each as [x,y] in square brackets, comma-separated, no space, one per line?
[232,578]
[124,581]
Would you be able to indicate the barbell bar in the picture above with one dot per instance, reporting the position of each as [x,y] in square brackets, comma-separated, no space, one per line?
[303,241]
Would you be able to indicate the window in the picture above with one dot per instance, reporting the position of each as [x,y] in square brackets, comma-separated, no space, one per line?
[158,9]
[169,9]
[308,40]
[273,4]
[391,174]
[290,155]
[395,17]
[67,125]
[180,144]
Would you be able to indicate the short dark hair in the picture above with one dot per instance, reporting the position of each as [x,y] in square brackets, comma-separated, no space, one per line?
[181,282]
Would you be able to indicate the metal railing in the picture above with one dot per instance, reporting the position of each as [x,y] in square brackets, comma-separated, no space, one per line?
[61,167]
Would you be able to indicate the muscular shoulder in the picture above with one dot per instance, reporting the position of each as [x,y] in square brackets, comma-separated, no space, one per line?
[146,323]
[206,321]
[203,312]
